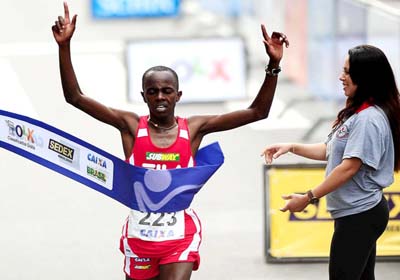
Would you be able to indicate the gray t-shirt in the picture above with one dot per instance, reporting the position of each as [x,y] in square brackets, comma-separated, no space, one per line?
[367,136]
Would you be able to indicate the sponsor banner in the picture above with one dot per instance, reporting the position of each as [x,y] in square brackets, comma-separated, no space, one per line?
[308,234]
[219,65]
[135,8]
[66,153]
[136,187]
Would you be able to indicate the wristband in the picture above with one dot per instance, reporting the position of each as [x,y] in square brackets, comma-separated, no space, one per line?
[272,72]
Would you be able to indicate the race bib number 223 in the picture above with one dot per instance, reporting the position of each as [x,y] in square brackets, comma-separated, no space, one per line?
[156,226]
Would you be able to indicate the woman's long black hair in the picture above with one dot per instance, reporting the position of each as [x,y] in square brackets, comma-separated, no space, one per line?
[370,70]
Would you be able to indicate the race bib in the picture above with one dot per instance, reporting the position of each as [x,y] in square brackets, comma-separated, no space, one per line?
[156,226]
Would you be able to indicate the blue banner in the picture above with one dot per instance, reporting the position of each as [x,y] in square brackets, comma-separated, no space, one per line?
[134,8]
[136,187]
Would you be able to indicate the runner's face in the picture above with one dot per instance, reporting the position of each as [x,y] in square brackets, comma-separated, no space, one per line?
[160,93]
[349,87]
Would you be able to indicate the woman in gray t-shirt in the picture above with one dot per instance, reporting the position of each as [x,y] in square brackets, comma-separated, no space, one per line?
[362,151]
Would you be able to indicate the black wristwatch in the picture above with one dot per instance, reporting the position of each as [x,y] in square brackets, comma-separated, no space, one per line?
[311,198]
[273,71]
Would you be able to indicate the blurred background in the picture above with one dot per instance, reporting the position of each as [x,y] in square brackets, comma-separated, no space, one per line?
[53,227]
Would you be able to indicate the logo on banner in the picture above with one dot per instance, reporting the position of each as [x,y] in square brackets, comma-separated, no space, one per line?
[97,167]
[157,181]
[393,199]
[320,213]
[63,150]
[132,186]
[96,174]
[194,69]
[99,161]
[65,153]
[23,135]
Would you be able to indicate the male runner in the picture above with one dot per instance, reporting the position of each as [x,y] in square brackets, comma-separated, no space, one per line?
[171,256]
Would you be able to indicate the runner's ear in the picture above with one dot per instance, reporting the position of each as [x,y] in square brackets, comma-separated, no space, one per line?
[178,96]
[144,99]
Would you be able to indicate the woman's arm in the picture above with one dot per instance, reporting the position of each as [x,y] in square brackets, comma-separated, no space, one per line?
[339,175]
[312,151]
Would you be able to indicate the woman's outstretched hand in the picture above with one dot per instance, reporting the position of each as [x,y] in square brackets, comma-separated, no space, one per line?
[276,150]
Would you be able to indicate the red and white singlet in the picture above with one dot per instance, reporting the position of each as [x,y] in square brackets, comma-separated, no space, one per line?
[158,235]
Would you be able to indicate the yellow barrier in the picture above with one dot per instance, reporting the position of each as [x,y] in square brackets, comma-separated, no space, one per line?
[306,236]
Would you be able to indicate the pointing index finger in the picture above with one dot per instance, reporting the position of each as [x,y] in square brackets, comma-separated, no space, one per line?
[66,11]
[264,32]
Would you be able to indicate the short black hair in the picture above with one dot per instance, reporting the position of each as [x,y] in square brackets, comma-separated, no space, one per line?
[160,68]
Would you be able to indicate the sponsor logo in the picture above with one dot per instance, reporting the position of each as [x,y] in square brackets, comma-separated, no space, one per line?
[342,132]
[23,135]
[154,233]
[64,151]
[142,259]
[312,213]
[393,199]
[97,160]
[143,267]
[97,167]
[67,154]
[317,213]
[393,228]
[163,156]
[96,174]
